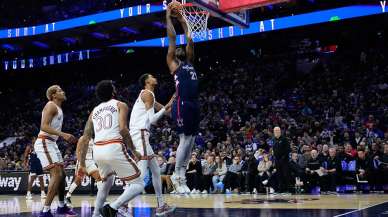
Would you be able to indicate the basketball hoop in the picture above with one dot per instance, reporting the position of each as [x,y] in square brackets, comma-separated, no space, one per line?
[196,19]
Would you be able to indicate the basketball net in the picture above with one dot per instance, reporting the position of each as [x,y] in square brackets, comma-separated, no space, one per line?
[196,19]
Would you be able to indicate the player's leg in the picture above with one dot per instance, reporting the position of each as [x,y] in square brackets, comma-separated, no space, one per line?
[127,170]
[76,182]
[163,207]
[31,179]
[41,183]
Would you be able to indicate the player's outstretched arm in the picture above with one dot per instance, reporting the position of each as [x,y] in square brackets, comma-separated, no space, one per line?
[83,142]
[171,58]
[49,111]
[123,126]
[190,42]
[148,100]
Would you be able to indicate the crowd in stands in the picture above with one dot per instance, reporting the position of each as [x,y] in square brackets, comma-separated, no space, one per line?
[334,118]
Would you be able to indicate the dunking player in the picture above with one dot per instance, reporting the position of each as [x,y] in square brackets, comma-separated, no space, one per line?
[108,122]
[185,109]
[48,153]
[91,170]
[142,116]
[32,162]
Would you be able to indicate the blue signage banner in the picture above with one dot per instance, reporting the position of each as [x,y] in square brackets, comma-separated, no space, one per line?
[332,15]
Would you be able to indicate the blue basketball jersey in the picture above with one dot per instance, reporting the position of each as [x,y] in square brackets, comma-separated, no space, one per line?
[186,83]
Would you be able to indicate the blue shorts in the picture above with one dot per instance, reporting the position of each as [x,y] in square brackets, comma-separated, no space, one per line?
[36,169]
[185,115]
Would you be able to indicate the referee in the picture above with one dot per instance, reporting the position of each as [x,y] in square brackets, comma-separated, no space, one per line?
[281,151]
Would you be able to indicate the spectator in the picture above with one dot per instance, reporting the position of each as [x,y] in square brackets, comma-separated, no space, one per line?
[166,176]
[265,174]
[296,171]
[313,171]
[219,174]
[208,170]
[194,174]
[232,177]
[332,168]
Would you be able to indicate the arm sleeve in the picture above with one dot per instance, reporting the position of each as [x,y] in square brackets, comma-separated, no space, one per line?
[152,117]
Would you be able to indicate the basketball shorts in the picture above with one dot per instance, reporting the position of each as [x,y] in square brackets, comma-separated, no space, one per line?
[185,115]
[48,152]
[36,169]
[141,141]
[112,158]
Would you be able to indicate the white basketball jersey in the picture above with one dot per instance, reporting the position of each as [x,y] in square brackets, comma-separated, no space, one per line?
[139,117]
[106,121]
[56,123]
[89,154]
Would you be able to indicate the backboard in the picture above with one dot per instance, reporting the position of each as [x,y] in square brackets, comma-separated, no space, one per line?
[237,17]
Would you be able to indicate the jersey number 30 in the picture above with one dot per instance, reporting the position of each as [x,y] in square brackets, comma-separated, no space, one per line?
[105,122]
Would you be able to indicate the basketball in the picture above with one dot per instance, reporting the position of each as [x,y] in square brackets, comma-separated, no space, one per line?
[175,7]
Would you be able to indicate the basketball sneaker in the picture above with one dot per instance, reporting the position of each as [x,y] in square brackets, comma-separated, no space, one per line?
[45,214]
[29,196]
[108,211]
[176,182]
[165,209]
[65,210]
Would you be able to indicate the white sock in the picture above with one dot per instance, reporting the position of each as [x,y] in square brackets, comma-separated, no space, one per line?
[102,193]
[72,187]
[156,181]
[134,189]
[46,208]
[182,153]
[42,192]
[61,204]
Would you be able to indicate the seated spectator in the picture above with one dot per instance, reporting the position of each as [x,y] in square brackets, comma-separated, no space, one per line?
[265,174]
[166,175]
[362,166]
[384,167]
[208,169]
[332,168]
[194,174]
[313,171]
[297,172]
[219,174]
[232,177]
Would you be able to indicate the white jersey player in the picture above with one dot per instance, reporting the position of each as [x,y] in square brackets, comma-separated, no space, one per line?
[142,116]
[108,122]
[47,150]
[91,170]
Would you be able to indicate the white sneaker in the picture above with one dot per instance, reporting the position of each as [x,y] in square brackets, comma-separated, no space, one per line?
[176,184]
[185,188]
[204,192]
[194,191]
[42,194]
[29,196]
[125,211]
[228,191]
[265,182]
[254,191]
[271,190]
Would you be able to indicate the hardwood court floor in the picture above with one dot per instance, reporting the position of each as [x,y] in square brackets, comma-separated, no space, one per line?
[368,205]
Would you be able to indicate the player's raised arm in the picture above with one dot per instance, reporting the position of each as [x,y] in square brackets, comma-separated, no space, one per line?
[82,145]
[123,126]
[190,42]
[49,111]
[171,57]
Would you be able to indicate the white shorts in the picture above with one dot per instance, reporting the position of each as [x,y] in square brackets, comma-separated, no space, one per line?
[141,141]
[90,167]
[48,153]
[112,158]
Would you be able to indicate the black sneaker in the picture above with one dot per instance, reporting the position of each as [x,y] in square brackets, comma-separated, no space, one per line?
[108,211]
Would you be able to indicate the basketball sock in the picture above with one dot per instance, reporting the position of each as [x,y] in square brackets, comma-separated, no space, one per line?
[46,208]
[102,193]
[183,152]
[156,181]
[128,194]
[72,187]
